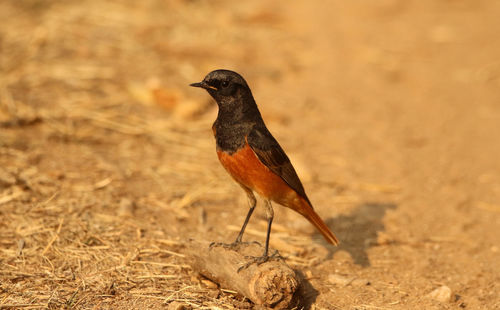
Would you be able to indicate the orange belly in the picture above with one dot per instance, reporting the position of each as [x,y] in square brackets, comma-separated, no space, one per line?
[246,169]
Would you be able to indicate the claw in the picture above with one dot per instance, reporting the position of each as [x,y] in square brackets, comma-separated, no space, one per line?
[276,255]
[223,245]
[260,259]
[230,246]
[254,260]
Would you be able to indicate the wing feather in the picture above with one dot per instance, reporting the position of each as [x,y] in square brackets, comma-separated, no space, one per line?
[272,155]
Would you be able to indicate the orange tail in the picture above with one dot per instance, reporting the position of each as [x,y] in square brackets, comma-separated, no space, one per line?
[314,218]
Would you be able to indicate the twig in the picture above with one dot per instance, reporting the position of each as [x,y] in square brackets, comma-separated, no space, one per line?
[53,237]
[15,306]
[159,264]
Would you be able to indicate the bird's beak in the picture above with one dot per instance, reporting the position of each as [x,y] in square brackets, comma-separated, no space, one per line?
[203,84]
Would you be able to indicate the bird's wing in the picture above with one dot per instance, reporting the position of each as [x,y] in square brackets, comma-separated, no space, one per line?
[272,155]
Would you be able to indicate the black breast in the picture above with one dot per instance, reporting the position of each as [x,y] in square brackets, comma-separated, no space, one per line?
[231,137]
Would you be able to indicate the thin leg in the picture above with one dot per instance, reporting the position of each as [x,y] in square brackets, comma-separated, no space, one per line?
[252,202]
[265,257]
[270,216]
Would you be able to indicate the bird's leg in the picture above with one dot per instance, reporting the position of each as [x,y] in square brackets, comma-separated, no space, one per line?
[265,257]
[270,216]
[252,202]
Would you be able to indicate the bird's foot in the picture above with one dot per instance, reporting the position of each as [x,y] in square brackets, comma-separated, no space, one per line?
[260,259]
[231,246]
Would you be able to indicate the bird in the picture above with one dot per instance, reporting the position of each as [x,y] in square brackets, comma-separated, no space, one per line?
[253,157]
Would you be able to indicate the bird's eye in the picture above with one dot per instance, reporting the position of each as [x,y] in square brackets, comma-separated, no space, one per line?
[224,84]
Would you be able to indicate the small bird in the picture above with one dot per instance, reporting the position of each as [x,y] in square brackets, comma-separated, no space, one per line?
[252,156]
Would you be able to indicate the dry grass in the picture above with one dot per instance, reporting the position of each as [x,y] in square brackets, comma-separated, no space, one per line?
[107,162]
[88,133]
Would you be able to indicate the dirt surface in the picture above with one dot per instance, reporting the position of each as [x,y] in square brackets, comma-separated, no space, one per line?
[389,110]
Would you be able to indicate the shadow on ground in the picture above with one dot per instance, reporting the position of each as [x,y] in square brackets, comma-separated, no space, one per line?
[358,230]
[306,294]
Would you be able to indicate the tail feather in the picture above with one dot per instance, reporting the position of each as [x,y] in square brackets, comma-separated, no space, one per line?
[314,218]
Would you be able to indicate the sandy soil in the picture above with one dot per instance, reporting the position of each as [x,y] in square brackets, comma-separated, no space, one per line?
[390,111]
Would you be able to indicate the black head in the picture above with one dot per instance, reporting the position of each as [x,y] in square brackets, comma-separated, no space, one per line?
[232,94]
[223,84]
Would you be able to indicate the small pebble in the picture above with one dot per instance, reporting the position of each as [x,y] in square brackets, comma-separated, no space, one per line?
[441,294]
[338,279]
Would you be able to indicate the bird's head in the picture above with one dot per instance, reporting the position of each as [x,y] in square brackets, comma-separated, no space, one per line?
[224,85]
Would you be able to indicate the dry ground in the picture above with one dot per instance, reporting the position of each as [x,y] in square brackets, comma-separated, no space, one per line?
[390,111]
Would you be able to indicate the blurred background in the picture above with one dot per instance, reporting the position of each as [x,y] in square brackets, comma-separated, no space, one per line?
[389,110]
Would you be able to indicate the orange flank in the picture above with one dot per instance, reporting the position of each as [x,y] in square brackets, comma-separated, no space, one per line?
[246,169]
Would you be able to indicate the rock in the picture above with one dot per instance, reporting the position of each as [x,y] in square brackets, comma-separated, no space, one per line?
[340,280]
[441,294]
